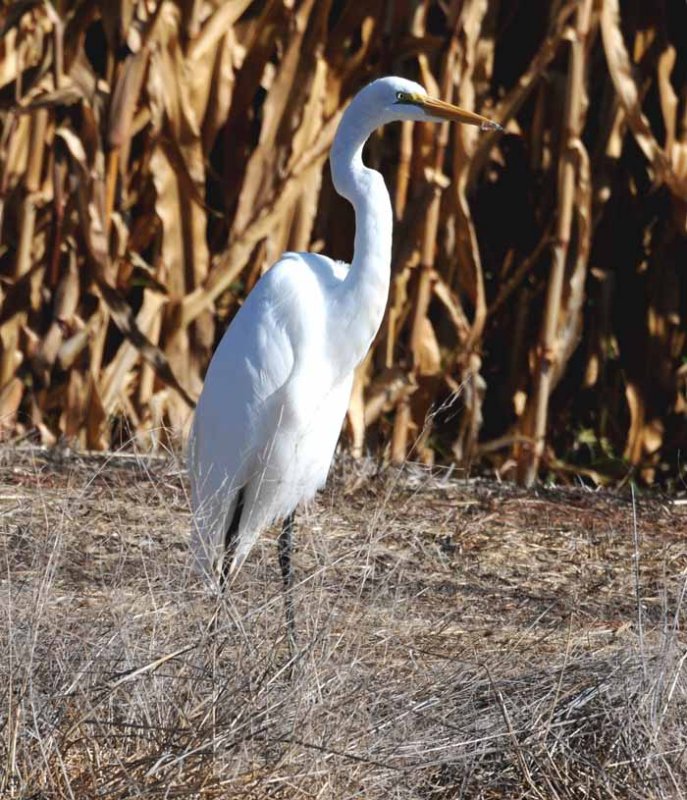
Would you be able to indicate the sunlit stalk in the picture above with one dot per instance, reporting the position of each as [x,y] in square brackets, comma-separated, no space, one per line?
[535,421]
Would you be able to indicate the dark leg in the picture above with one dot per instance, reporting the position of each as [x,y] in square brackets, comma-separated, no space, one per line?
[284,544]
[227,555]
[230,539]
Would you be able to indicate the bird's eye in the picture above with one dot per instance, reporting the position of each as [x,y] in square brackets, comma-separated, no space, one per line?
[402,97]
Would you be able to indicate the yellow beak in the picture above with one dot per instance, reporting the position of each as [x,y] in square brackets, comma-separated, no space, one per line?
[438,108]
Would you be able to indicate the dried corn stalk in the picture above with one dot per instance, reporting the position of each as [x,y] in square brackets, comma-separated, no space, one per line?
[157,156]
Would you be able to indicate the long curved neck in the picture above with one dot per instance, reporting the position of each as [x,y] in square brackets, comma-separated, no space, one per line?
[366,288]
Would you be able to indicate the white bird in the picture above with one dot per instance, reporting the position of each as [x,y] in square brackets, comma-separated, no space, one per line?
[277,389]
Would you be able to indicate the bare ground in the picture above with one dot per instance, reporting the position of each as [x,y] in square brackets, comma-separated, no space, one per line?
[456,639]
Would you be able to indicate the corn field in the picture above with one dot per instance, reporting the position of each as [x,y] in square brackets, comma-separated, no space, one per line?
[156,157]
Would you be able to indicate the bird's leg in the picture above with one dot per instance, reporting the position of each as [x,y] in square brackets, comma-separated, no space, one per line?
[227,555]
[230,539]
[284,544]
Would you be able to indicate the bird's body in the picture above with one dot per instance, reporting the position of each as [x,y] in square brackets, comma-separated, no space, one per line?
[275,428]
[277,389]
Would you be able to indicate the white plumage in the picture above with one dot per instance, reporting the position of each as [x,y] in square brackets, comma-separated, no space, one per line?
[275,427]
[278,386]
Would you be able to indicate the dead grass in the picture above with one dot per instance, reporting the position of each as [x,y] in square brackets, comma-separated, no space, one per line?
[458,639]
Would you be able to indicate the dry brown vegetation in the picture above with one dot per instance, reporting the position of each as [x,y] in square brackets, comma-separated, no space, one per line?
[458,639]
[157,156]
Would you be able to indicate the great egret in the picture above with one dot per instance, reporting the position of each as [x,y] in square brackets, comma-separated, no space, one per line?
[279,384]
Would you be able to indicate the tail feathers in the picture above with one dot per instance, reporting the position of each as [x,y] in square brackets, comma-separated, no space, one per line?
[236,564]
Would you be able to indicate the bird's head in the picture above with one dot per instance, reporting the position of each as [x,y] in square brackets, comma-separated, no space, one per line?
[395,99]
[382,101]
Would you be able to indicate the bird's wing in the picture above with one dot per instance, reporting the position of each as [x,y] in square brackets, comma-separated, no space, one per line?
[253,362]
